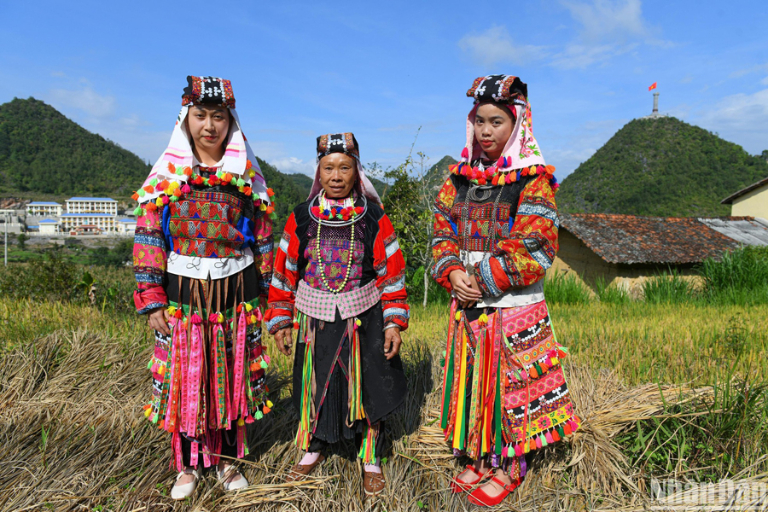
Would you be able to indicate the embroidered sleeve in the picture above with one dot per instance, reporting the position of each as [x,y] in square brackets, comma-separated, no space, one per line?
[149,263]
[445,242]
[524,257]
[389,264]
[263,253]
[285,277]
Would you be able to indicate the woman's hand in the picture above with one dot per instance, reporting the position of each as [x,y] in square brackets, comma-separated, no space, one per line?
[466,288]
[284,340]
[392,342]
[158,320]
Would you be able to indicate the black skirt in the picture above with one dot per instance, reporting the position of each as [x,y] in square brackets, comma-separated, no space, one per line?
[383,381]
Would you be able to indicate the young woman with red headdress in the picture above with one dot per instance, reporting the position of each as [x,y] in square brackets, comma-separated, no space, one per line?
[495,235]
[203,263]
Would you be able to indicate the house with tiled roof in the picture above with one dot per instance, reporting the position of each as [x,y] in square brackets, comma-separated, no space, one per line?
[628,249]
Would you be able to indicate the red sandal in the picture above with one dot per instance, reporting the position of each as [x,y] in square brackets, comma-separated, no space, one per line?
[479,497]
[458,486]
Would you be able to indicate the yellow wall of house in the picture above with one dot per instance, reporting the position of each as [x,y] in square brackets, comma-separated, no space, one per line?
[576,258]
[753,204]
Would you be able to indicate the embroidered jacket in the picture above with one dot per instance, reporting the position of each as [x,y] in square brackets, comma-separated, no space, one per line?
[208,222]
[526,226]
[376,257]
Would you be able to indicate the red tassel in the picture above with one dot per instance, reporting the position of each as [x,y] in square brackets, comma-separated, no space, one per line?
[555,435]
[171,168]
[188,171]
[567,428]
[149,189]
[178,313]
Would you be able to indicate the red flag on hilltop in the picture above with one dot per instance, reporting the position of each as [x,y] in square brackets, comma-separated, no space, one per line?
[652,87]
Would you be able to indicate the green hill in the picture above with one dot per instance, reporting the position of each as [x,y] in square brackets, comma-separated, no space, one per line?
[661,167]
[436,174]
[42,153]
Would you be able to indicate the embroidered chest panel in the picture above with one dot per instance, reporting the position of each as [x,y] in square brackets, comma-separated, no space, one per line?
[476,211]
[475,221]
[204,224]
[334,246]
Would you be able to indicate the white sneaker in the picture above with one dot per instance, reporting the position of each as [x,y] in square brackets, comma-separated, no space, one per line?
[238,483]
[181,491]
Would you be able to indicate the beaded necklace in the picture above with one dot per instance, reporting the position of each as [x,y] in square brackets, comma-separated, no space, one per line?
[348,204]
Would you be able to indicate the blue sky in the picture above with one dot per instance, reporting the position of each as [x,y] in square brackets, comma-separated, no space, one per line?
[384,69]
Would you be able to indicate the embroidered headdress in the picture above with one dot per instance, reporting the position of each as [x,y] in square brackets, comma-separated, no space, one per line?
[347,144]
[169,176]
[521,154]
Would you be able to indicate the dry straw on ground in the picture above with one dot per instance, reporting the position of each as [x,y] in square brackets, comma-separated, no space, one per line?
[72,437]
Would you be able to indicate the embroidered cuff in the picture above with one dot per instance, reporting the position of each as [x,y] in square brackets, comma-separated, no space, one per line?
[149,299]
[398,316]
[278,322]
[485,280]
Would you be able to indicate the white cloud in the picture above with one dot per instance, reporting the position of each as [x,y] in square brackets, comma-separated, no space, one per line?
[293,165]
[495,45]
[740,118]
[603,20]
[85,99]
[605,29]
[580,56]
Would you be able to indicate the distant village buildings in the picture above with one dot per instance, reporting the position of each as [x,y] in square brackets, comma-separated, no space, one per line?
[79,216]
[44,208]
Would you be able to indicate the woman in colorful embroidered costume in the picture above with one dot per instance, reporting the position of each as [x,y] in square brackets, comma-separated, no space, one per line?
[203,263]
[495,235]
[339,282]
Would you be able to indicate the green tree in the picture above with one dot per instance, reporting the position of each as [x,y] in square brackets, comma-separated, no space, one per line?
[22,238]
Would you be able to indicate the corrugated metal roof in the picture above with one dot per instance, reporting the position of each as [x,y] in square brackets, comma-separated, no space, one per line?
[43,203]
[631,239]
[745,230]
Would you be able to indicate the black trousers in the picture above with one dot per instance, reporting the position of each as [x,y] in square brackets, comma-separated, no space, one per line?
[228,446]
[319,445]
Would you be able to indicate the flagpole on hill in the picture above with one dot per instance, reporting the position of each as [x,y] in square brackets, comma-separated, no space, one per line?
[655,100]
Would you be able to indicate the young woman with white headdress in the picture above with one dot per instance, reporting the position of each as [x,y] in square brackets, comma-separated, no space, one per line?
[203,263]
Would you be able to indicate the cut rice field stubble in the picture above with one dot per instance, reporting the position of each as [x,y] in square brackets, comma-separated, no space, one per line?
[73,380]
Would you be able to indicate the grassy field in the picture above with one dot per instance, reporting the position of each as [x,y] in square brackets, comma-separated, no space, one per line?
[664,390]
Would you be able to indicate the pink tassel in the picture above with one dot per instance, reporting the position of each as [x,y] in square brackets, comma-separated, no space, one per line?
[196,320]
[465,153]
[538,442]
[518,450]
[213,318]
[504,452]
[196,361]
[500,162]
[165,200]
[548,437]
[185,189]
[194,452]
[240,441]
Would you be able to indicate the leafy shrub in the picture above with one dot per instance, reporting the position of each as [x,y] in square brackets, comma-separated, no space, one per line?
[565,288]
[611,294]
[668,287]
[740,277]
